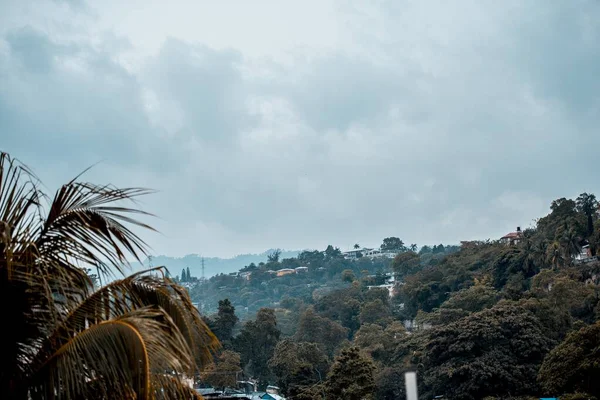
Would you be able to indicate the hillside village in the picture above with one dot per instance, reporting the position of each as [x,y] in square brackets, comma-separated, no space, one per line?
[383,307]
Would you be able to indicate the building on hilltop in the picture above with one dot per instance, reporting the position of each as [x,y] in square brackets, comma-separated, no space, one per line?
[369,253]
[356,253]
[285,271]
[245,275]
[512,238]
[584,255]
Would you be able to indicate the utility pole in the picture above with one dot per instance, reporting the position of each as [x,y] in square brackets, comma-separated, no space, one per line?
[202,268]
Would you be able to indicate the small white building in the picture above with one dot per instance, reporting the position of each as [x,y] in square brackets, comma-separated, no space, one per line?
[389,287]
[584,255]
[356,253]
[369,253]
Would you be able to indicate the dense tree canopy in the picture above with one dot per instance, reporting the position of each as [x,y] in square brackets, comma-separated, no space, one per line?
[351,376]
[256,344]
[574,365]
[475,321]
[496,351]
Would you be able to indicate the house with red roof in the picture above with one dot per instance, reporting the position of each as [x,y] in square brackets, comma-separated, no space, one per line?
[512,238]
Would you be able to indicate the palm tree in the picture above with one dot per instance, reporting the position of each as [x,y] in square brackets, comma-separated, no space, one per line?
[554,255]
[137,337]
[570,244]
[356,246]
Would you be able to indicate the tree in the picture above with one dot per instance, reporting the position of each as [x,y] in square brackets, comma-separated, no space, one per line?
[332,252]
[379,342]
[273,257]
[188,275]
[225,320]
[574,365]
[413,247]
[406,263]
[298,365]
[569,243]
[351,376]
[495,352]
[316,329]
[343,306]
[67,340]
[183,275]
[375,312]
[356,246]
[224,372]
[256,343]
[392,244]
[464,302]
[425,249]
[348,275]
[389,383]
[588,206]
[473,299]
[438,249]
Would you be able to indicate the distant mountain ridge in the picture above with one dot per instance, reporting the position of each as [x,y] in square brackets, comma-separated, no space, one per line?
[212,265]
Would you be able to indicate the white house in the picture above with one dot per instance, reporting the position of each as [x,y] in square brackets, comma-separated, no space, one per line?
[370,253]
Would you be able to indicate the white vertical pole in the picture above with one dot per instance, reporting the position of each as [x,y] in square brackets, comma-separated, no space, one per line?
[411,386]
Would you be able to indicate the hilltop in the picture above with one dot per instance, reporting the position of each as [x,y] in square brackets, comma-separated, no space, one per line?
[212,265]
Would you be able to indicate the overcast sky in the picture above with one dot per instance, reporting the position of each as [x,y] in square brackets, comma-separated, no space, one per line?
[295,124]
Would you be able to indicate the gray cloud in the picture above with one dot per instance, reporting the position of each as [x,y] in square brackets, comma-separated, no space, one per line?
[434,124]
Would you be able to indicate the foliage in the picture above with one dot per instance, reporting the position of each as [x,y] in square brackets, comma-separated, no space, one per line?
[317,329]
[496,351]
[481,316]
[374,312]
[574,365]
[256,344]
[351,376]
[577,396]
[392,244]
[379,342]
[298,365]
[225,321]
[389,383]
[406,263]
[224,372]
[342,306]
[348,276]
[66,340]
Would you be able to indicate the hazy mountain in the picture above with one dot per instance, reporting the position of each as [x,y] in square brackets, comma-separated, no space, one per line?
[212,265]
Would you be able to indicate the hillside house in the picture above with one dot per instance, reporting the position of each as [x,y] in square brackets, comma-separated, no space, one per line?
[285,271]
[369,253]
[512,238]
[355,254]
[245,275]
[584,255]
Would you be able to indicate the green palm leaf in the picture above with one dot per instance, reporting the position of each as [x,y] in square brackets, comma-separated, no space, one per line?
[137,337]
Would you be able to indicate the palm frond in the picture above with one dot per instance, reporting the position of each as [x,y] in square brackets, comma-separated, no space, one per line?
[137,337]
[134,292]
[81,226]
[116,359]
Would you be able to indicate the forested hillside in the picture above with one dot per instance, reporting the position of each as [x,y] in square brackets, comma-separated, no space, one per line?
[517,318]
